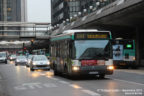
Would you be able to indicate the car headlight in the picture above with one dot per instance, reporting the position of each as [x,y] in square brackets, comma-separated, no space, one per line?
[17,60]
[34,63]
[48,63]
[28,61]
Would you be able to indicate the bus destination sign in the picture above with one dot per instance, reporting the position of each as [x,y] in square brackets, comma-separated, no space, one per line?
[92,35]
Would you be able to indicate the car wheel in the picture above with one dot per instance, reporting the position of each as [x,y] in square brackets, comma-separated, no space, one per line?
[5,62]
[102,76]
[15,64]
[27,65]
[48,69]
[55,72]
[31,69]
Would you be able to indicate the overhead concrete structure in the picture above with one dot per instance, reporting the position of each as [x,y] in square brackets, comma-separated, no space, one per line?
[31,30]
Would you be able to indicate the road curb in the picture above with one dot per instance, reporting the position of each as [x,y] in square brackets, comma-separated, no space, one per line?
[140,72]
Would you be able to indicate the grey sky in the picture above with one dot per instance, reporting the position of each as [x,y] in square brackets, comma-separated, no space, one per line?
[39,10]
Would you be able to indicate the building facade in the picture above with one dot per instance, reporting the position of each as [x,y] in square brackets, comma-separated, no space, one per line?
[12,11]
[63,10]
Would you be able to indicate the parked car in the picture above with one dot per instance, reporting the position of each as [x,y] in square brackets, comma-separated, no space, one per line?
[21,60]
[39,62]
[12,57]
[3,57]
[29,60]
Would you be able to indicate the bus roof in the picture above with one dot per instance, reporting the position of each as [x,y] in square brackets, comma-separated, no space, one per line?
[68,33]
[82,30]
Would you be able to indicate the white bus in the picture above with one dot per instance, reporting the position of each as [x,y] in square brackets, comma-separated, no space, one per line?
[82,52]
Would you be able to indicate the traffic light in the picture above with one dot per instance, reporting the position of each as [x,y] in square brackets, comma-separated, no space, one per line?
[24,48]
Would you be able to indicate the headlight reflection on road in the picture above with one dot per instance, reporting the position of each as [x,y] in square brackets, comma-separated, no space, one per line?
[35,75]
[75,86]
[49,74]
[11,62]
[112,87]
[17,69]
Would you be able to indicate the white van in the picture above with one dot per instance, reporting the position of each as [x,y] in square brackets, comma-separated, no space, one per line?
[3,57]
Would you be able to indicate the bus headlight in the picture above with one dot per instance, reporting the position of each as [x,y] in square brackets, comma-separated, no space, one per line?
[110,67]
[75,68]
[134,58]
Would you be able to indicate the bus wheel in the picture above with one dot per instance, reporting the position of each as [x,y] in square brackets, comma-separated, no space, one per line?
[134,67]
[55,71]
[101,76]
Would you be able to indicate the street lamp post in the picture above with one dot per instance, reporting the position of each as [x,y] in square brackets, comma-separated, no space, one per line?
[79,14]
[84,12]
[32,45]
[68,21]
[91,9]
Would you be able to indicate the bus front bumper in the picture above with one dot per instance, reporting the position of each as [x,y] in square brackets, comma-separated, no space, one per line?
[92,70]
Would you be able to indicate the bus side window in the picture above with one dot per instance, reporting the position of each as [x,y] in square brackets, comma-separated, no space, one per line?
[70,49]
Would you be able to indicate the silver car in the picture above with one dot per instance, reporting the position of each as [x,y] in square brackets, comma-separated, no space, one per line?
[39,62]
[21,60]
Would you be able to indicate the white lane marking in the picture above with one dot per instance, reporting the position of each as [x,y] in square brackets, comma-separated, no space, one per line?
[64,82]
[140,72]
[50,85]
[75,86]
[54,78]
[42,74]
[129,82]
[32,85]
[20,88]
[91,93]
[28,86]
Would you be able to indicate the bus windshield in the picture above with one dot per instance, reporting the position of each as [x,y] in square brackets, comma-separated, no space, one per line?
[92,49]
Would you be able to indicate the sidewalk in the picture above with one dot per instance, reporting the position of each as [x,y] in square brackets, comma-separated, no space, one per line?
[137,71]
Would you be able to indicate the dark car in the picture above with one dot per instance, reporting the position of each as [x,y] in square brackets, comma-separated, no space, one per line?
[12,57]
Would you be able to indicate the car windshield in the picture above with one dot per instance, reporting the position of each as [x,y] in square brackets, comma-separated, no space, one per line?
[13,55]
[40,58]
[21,57]
[2,54]
[30,56]
[92,49]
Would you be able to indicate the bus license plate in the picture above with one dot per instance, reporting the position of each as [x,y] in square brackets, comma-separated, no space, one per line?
[93,72]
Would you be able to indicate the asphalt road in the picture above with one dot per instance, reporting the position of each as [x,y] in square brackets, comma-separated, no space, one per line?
[20,81]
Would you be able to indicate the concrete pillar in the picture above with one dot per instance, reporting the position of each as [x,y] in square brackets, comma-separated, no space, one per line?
[138,46]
